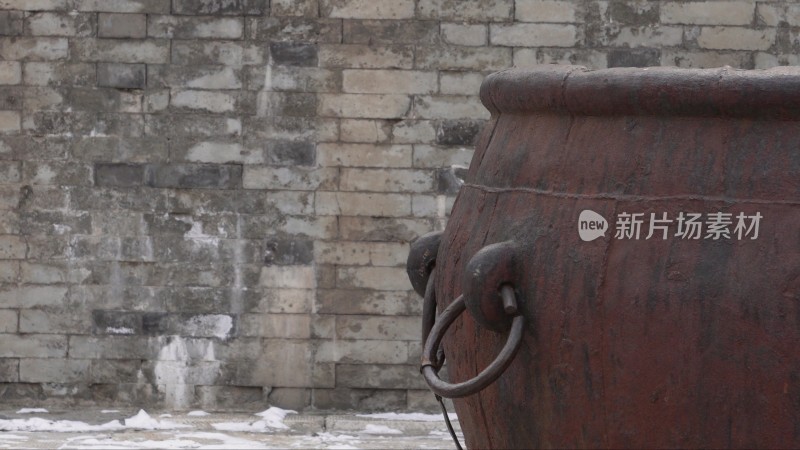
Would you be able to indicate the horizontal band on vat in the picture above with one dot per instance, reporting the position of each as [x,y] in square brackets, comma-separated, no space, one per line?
[723,92]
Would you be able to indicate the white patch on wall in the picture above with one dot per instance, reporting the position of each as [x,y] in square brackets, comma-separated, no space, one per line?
[217,325]
[171,377]
[175,371]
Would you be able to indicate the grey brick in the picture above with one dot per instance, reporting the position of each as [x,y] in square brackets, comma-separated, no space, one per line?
[229,53]
[634,57]
[196,176]
[116,149]
[458,132]
[33,48]
[217,7]
[630,13]
[125,76]
[49,223]
[368,9]
[150,51]
[290,153]
[290,398]
[293,78]
[54,320]
[463,58]
[389,229]
[9,370]
[32,346]
[214,102]
[185,27]
[102,100]
[59,73]
[296,29]
[234,397]
[12,393]
[197,300]
[35,5]
[293,53]
[10,172]
[116,322]
[53,370]
[125,394]
[191,325]
[360,399]
[202,77]
[43,123]
[11,98]
[355,301]
[123,6]
[57,173]
[9,318]
[191,125]
[115,371]
[378,376]
[390,32]
[60,24]
[288,251]
[296,368]
[307,8]
[11,23]
[119,175]
[466,10]
[111,25]
[112,347]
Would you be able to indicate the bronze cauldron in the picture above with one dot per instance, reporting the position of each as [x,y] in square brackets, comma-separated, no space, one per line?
[627,248]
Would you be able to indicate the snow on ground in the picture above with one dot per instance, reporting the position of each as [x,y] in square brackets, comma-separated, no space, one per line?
[141,421]
[272,420]
[266,430]
[32,411]
[380,429]
[200,440]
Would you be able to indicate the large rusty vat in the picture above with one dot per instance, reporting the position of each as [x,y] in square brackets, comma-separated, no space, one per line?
[680,335]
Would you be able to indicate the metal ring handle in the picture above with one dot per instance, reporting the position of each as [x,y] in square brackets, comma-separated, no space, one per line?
[487,376]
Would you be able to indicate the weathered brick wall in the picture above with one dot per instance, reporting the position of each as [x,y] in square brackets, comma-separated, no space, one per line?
[207,203]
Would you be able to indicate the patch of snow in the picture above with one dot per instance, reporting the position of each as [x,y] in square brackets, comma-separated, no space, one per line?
[58,426]
[109,411]
[380,429]
[275,413]
[419,417]
[140,421]
[197,413]
[272,420]
[32,411]
[13,437]
[107,443]
[143,421]
[227,442]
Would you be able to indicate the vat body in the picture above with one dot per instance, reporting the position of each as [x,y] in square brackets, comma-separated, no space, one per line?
[668,341]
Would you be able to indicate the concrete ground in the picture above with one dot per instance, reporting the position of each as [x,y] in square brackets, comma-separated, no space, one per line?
[131,429]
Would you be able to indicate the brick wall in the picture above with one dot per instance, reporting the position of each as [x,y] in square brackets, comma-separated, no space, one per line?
[207,203]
